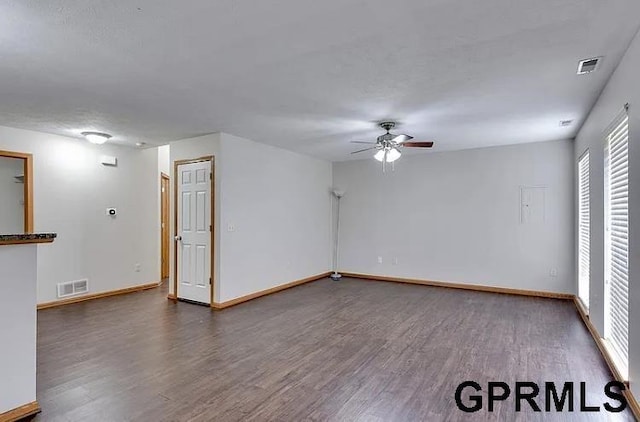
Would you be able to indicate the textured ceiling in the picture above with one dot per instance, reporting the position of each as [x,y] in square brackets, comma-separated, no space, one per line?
[308,75]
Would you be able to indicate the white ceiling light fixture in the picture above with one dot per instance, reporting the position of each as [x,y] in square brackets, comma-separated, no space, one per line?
[96,138]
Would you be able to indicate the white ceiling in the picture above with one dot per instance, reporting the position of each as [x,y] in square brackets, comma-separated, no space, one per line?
[308,75]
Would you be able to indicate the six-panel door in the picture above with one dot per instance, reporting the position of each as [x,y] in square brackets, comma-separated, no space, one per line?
[194,232]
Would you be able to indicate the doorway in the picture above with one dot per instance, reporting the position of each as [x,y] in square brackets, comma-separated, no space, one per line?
[164,225]
[16,189]
[193,242]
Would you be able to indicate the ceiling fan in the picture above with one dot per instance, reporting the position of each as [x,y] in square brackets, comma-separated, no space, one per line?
[388,145]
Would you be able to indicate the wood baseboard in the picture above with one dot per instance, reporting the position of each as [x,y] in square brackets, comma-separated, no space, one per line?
[171,296]
[84,298]
[596,337]
[242,299]
[475,287]
[633,404]
[21,412]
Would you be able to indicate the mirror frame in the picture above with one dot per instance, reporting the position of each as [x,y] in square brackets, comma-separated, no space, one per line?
[28,186]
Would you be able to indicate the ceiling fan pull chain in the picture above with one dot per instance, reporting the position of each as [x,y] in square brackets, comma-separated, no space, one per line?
[386,152]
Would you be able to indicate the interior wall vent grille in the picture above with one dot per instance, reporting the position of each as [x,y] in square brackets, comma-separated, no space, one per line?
[588,65]
[72,288]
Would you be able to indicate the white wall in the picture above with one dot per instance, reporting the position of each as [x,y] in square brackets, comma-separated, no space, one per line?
[622,88]
[11,196]
[164,166]
[164,159]
[279,203]
[71,193]
[18,325]
[455,217]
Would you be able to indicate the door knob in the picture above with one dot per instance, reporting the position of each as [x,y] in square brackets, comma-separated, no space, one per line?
[178,238]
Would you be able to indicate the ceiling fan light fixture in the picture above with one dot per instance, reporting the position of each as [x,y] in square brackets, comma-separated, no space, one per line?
[388,145]
[393,155]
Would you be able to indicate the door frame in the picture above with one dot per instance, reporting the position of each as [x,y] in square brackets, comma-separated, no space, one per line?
[28,185]
[176,164]
[163,217]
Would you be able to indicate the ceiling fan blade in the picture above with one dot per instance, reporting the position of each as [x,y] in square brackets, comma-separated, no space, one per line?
[428,144]
[402,138]
[363,150]
[363,142]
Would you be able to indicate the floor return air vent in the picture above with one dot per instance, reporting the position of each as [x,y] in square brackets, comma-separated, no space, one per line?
[72,288]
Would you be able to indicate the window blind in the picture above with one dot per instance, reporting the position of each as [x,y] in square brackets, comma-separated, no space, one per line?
[583,229]
[617,237]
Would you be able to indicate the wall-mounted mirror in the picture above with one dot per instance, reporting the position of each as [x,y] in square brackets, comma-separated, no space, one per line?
[16,192]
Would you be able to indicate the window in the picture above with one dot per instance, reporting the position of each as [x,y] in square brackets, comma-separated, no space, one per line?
[583,229]
[617,241]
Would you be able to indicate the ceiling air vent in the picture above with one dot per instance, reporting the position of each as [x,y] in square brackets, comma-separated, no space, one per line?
[588,65]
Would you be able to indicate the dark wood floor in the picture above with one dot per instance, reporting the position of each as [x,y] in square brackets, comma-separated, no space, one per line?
[341,351]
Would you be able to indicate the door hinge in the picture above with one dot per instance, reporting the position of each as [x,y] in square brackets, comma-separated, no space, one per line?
[210,282]
[210,228]
[210,176]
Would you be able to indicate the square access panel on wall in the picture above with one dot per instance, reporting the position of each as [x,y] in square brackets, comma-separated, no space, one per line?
[532,204]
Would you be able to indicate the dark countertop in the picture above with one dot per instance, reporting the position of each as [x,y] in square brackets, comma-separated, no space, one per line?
[18,239]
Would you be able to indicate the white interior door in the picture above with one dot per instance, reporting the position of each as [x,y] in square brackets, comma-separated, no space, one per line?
[194,232]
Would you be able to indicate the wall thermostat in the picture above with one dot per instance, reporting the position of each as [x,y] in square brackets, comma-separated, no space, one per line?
[112,212]
[107,160]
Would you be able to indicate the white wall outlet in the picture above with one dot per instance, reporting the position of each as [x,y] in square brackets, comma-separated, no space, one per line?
[112,212]
[395,261]
[553,272]
[231,227]
[379,260]
[137,268]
